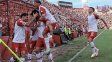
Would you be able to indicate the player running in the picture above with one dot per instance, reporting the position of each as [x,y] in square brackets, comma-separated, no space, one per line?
[93,29]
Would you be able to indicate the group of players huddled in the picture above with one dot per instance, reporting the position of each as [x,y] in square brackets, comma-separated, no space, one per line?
[33,34]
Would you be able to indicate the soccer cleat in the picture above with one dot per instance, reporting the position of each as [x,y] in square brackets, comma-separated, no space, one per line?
[93,55]
[96,52]
[47,52]
[29,56]
[22,59]
[52,61]
[11,59]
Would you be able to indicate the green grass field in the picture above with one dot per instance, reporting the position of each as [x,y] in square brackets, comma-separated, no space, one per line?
[103,42]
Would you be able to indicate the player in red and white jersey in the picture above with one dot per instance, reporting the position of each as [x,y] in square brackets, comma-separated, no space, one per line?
[46,17]
[48,21]
[33,24]
[93,29]
[19,44]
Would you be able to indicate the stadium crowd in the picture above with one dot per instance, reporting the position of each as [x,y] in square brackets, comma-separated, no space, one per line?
[70,25]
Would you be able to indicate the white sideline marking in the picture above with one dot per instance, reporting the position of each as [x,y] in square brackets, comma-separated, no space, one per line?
[83,49]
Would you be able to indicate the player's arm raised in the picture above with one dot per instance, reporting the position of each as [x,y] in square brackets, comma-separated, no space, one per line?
[104,22]
[97,17]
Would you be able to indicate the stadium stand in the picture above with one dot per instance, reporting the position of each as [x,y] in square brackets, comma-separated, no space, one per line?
[70,17]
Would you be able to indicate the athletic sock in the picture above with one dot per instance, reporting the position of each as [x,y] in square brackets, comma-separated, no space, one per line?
[50,57]
[11,59]
[39,57]
[93,47]
[29,56]
[22,59]
[47,42]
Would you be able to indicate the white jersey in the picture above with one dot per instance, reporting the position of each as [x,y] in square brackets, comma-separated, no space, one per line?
[19,34]
[92,23]
[41,30]
[34,37]
[48,15]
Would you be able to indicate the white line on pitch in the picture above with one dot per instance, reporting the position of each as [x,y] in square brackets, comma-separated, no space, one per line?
[77,54]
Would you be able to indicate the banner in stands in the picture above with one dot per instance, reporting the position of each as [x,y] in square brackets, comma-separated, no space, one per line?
[65,4]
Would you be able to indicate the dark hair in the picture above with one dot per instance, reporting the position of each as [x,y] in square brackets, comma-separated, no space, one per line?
[92,8]
[23,14]
[34,12]
[38,1]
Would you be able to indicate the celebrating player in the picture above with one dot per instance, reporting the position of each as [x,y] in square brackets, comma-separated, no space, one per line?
[93,29]
[48,22]
[19,44]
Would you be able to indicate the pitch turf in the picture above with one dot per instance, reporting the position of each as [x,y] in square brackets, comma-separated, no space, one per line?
[103,42]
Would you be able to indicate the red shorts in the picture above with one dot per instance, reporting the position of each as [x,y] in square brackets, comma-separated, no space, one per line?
[32,44]
[91,35]
[40,43]
[54,26]
[20,47]
[57,39]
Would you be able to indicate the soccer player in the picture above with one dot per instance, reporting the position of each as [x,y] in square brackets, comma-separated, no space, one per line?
[49,23]
[34,32]
[19,44]
[47,18]
[93,29]
[40,43]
